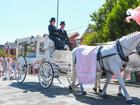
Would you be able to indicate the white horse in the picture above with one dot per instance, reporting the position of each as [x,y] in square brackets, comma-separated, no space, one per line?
[113,63]
[132,65]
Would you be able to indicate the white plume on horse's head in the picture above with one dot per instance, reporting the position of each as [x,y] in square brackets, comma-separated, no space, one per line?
[130,11]
[134,14]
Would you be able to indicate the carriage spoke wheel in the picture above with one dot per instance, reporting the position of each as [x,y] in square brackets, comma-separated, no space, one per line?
[21,69]
[46,75]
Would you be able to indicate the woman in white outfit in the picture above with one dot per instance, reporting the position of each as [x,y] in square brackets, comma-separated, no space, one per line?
[1,67]
[10,69]
[5,71]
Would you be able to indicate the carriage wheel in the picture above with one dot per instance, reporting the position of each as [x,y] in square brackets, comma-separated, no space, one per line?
[46,75]
[21,69]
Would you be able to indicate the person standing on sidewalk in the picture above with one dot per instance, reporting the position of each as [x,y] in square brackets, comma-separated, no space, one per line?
[1,67]
[4,64]
[13,65]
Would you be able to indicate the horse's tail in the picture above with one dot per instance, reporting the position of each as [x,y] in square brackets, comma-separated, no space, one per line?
[74,55]
[73,67]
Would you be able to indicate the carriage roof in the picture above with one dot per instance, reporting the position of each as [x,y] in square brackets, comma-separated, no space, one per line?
[29,40]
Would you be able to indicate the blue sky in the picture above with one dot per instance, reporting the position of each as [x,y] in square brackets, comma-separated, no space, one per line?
[22,18]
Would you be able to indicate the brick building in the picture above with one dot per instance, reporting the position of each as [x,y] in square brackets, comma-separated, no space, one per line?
[72,38]
[10,48]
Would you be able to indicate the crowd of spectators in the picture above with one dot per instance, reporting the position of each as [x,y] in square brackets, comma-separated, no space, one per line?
[7,68]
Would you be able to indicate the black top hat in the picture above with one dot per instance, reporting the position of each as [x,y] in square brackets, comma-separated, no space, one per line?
[62,23]
[52,19]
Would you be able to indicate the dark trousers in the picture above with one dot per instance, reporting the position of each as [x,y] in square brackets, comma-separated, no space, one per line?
[59,45]
[68,43]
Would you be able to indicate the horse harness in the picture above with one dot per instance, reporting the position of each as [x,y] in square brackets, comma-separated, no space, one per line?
[119,52]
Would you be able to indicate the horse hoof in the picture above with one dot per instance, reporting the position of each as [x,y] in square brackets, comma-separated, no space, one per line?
[105,96]
[100,90]
[130,102]
[70,88]
[95,89]
[120,94]
[84,93]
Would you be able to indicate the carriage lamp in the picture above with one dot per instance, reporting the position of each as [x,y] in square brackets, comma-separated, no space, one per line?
[32,40]
[15,41]
[45,35]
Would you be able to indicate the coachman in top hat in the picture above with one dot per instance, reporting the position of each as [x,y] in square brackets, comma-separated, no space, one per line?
[54,35]
[64,35]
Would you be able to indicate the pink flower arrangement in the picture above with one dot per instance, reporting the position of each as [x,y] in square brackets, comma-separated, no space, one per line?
[134,14]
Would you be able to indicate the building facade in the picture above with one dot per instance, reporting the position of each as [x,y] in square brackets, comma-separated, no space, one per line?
[10,48]
[72,39]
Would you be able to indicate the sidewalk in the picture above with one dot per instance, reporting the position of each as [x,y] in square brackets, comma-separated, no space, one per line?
[128,83]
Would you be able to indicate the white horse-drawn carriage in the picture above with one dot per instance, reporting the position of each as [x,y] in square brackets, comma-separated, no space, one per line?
[41,54]
[109,57]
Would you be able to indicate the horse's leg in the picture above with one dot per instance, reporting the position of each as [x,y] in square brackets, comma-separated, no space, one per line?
[97,84]
[108,78]
[125,75]
[82,89]
[119,89]
[122,85]
[73,70]
[73,77]
[116,70]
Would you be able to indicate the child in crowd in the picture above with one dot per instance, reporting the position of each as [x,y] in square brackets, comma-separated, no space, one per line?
[11,68]
[13,65]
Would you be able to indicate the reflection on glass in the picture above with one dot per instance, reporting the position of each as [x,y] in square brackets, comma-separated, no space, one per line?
[41,50]
[31,50]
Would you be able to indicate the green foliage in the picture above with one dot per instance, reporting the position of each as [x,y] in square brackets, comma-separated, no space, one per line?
[88,39]
[2,52]
[115,25]
[91,39]
[109,21]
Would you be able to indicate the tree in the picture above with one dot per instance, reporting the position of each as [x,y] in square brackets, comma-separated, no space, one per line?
[115,25]
[2,52]
[109,21]
[90,38]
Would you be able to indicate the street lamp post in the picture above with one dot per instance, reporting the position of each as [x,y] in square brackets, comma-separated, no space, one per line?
[57,12]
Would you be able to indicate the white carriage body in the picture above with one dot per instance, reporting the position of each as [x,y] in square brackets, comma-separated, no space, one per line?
[35,44]
[39,52]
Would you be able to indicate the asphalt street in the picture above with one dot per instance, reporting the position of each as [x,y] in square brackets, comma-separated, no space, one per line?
[31,93]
